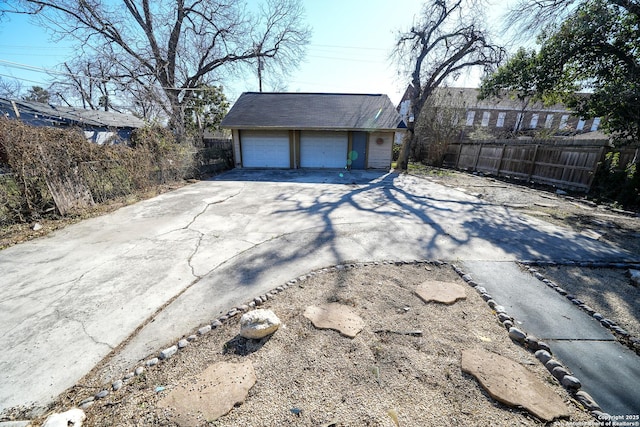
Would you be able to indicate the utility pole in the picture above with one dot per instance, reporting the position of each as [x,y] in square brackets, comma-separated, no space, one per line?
[257,47]
[260,73]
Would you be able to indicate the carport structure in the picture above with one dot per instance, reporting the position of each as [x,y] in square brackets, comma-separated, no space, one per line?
[313,130]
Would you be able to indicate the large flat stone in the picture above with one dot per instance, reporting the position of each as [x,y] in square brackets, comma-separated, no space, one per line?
[442,292]
[212,395]
[335,316]
[512,384]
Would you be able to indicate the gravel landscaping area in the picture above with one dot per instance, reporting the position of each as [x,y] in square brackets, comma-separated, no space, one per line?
[312,377]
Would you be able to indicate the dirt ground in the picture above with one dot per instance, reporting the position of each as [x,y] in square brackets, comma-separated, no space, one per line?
[19,233]
[330,380]
[312,377]
[572,210]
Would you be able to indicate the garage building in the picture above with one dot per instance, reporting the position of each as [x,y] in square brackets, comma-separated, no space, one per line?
[313,130]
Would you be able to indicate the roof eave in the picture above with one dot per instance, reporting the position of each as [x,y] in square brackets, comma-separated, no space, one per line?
[315,128]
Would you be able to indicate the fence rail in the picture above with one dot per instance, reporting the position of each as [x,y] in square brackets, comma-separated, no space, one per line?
[568,166]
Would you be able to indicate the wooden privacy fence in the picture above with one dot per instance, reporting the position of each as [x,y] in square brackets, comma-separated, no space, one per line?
[563,164]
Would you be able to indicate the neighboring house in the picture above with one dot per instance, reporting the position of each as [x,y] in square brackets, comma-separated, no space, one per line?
[499,117]
[98,126]
[313,130]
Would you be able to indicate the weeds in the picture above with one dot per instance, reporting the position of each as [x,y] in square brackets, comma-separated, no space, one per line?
[48,172]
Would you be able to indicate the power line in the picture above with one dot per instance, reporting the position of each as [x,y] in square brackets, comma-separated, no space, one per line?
[31,47]
[26,67]
[31,54]
[7,46]
[22,79]
[345,59]
[42,70]
[348,47]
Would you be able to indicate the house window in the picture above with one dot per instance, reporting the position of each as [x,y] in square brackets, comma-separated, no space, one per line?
[563,121]
[501,117]
[470,116]
[534,121]
[485,118]
[518,123]
[595,124]
[549,121]
[580,124]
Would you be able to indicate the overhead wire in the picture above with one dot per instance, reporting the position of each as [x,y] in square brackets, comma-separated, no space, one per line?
[326,52]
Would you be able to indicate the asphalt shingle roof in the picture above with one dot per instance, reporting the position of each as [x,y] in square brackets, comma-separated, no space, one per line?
[71,115]
[319,111]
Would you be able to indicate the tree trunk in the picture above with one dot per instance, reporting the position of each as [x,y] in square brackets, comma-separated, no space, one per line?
[417,101]
[405,150]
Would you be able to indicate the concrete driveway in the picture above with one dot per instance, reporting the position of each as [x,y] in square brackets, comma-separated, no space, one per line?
[139,278]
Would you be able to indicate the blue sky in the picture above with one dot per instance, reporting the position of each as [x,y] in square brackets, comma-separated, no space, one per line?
[349,51]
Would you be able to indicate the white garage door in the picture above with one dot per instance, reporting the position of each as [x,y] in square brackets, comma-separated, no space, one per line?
[323,149]
[265,149]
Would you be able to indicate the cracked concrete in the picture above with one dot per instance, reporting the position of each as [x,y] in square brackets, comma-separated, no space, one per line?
[170,264]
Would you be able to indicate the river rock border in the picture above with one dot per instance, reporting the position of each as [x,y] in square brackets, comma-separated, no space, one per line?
[539,348]
[622,335]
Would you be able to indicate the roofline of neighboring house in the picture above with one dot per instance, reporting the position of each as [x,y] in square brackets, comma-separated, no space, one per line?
[70,116]
[331,129]
[317,93]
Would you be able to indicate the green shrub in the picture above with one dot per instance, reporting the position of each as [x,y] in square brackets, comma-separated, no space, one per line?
[616,184]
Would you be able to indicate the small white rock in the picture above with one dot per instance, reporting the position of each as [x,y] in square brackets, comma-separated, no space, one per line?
[204,330]
[258,324]
[72,418]
[168,352]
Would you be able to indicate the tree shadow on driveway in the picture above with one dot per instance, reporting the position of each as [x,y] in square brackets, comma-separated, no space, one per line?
[371,212]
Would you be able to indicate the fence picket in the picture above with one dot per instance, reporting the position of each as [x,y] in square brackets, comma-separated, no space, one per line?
[559,163]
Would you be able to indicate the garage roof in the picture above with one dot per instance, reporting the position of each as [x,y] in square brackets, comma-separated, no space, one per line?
[320,111]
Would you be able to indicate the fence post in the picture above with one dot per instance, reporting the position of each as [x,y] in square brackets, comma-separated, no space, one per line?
[596,166]
[475,164]
[533,162]
[504,146]
[458,156]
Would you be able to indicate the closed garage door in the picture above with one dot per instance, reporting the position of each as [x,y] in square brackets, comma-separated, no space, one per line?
[323,149]
[265,149]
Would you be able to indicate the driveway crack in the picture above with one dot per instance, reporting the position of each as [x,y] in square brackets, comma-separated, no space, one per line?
[207,206]
[201,234]
[193,254]
[84,329]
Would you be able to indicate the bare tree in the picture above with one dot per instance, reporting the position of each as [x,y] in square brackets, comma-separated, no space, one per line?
[448,39]
[90,81]
[441,123]
[10,88]
[177,45]
[528,17]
